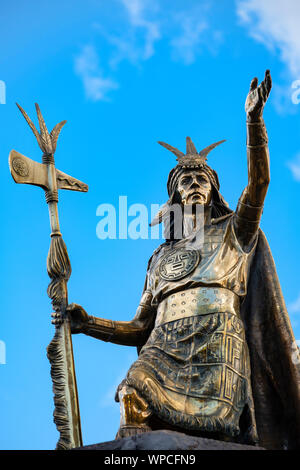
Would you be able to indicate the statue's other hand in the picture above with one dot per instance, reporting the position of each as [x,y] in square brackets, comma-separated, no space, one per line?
[78,317]
[257,97]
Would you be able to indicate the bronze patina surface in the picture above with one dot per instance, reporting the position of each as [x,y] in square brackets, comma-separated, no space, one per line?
[214,339]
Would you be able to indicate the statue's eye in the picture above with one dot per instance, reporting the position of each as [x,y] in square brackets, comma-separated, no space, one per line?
[202,180]
[185,180]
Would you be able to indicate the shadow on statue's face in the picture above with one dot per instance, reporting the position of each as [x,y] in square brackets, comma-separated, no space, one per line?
[194,187]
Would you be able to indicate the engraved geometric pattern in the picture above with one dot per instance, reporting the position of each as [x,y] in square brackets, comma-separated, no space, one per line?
[202,357]
[20,166]
[178,263]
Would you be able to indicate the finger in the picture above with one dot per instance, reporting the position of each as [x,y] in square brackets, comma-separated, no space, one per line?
[264,91]
[253,84]
[260,94]
[268,80]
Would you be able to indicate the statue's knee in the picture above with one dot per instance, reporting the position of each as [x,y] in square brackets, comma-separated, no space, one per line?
[134,409]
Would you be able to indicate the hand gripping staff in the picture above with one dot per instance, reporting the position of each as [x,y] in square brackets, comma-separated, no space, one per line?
[60,350]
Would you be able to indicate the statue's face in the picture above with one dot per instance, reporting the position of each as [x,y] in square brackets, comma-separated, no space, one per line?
[194,187]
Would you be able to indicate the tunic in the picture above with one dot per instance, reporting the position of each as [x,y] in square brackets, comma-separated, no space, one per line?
[194,369]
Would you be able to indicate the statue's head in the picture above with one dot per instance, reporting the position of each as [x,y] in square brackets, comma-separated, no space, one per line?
[193,182]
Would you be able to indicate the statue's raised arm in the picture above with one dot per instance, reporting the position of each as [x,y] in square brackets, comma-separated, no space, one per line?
[251,202]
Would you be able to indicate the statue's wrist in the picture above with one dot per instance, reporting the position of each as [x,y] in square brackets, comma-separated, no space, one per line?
[256,134]
[99,326]
[255,119]
[87,323]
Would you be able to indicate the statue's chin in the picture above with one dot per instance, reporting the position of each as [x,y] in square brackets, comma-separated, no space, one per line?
[196,200]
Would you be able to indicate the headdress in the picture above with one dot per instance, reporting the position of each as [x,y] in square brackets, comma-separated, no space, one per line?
[190,160]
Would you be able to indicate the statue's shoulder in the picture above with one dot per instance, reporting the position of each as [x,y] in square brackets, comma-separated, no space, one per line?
[159,249]
[157,252]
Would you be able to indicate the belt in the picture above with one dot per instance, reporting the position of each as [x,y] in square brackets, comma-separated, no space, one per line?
[197,301]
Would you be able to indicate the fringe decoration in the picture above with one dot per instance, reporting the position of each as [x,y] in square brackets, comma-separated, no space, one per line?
[59,270]
[56,356]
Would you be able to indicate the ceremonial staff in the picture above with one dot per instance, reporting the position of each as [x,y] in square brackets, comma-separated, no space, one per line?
[60,350]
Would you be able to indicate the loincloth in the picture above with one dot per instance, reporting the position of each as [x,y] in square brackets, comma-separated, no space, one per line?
[194,372]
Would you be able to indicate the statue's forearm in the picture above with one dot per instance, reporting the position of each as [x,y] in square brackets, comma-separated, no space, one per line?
[258,163]
[131,333]
[128,333]
[250,205]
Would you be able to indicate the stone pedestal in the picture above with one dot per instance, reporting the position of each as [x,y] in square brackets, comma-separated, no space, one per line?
[167,440]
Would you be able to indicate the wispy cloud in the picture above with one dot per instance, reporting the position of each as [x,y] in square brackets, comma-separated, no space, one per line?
[294,166]
[136,42]
[186,45]
[276,25]
[134,36]
[137,10]
[87,67]
[282,98]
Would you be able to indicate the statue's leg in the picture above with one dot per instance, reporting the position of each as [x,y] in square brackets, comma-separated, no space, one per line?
[135,412]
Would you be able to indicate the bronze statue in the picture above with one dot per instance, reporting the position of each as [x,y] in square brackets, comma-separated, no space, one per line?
[215,344]
[213,335]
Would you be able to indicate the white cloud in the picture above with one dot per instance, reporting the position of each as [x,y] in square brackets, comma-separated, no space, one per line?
[186,45]
[185,30]
[138,26]
[192,31]
[87,68]
[136,43]
[282,99]
[274,23]
[294,166]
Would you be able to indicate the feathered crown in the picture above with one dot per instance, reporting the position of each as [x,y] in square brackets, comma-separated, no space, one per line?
[191,158]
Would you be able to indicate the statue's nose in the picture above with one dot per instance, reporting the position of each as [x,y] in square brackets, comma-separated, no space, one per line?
[195,184]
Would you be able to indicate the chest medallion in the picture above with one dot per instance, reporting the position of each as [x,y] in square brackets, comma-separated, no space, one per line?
[178,263]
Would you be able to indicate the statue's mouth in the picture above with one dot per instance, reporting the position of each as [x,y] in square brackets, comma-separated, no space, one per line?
[195,193]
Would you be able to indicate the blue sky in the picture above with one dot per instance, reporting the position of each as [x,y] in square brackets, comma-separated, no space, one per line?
[125,74]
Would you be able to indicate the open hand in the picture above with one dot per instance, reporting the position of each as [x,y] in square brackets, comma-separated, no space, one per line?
[257,97]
